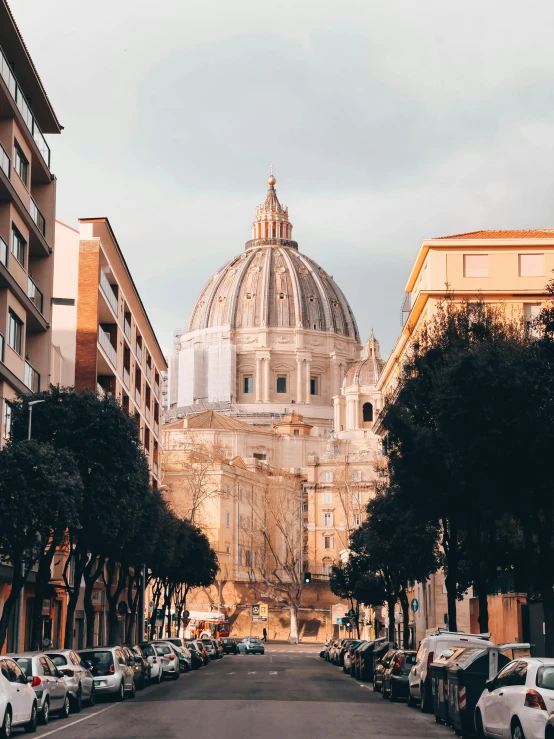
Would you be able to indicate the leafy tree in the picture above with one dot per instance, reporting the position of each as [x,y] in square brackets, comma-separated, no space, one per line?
[351,581]
[40,492]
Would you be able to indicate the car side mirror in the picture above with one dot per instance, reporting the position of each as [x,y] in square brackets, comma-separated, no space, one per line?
[490,685]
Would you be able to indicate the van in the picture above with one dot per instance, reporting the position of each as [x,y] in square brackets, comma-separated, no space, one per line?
[433,645]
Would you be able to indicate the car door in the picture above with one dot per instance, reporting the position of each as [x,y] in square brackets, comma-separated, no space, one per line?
[7,684]
[85,675]
[22,701]
[514,695]
[58,688]
[493,704]
[125,669]
[415,672]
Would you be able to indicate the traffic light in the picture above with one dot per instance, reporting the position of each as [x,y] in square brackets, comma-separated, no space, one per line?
[307,578]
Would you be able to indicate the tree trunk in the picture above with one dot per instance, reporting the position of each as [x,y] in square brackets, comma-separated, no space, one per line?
[391,602]
[42,591]
[133,609]
[451,579]
[405,619]
[18,581]
[70,618]
[89,613]
[293,623]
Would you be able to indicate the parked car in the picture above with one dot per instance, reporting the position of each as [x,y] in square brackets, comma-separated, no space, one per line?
[18,702]
[196,658]
[345,643]
[140,665]
[380,666]
[77,675]
[112,673]
[331,652]
[48,684]
[432,644]
[347,659]
[229,646]
[176,640]
[517,702]
[168,660]
[209,646]
[202,650]
[156,673]
[396,674]
[253,645]
[182,654]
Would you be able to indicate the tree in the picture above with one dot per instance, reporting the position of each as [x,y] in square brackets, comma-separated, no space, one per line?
[351,581]
[106,445]
[40,491]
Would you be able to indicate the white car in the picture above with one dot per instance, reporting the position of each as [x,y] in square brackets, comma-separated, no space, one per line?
[156,673]
[18,702]
[516,703]
[432,646]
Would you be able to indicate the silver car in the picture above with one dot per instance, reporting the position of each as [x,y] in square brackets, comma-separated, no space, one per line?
[48,684]
[168,660]
[112,671]
[77,675]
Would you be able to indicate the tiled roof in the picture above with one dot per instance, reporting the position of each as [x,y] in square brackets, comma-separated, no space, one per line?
[215,420]
[543,233]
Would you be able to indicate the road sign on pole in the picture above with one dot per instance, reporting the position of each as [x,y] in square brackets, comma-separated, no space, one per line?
[414,605]
[259,613]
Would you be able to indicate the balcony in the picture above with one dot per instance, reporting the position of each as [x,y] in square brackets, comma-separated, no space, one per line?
[19,99]
[1,348]
[34,294]
[156,428]
[37,217]
[126,378]
[31,378]
[104,341]
[107,289]
[127,329]
[155,467]
[137,396]
[5,163]
[148,372]
[156,390]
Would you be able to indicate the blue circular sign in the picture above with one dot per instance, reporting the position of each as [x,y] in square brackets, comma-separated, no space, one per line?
[414,605]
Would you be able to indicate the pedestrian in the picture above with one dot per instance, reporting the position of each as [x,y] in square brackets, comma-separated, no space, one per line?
[265,633]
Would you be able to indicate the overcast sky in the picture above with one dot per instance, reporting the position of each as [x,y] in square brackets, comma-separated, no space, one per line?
[387,122]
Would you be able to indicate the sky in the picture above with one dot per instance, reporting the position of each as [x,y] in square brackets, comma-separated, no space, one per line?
[387,122]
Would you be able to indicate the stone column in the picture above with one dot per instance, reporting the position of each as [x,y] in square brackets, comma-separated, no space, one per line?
[298,380]
[308,373]
[258,380]
[266,379]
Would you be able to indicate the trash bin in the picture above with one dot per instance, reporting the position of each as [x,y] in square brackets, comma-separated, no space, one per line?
[467,675]
[439,682]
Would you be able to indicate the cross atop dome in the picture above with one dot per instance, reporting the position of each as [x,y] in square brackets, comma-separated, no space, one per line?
[272,226]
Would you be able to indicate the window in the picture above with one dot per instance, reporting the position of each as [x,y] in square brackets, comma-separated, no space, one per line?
[504,677]
[328,498]
[476,265]
[20,164]
[304,507]
[531,312]
[18,246]
[326,566]
[313,386]
[227,519]
[327,476]
[296,432]
[228,547]
[327,519]
[356,476]
[259,455]
[531,265]
[281,384]
[328,542]
[249,384]
[520,674]
[7,418]
[15,332]
[356,519]
[545,677]
[367,411]
[356,498]
[248,558]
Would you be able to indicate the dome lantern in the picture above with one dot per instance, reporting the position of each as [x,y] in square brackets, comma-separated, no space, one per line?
[272,226]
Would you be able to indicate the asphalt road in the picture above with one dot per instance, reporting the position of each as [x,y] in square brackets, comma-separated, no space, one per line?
[287,693]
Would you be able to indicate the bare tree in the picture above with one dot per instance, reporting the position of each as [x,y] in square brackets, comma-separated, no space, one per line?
[271,542]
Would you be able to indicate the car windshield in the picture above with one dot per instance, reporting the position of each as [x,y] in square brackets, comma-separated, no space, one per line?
[207,643]
[545,677]
[255,641]
[147,650]
[26,664]
[100,659]
[58,659]
[163,649]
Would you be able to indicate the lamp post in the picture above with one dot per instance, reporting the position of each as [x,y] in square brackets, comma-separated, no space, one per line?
[31,404]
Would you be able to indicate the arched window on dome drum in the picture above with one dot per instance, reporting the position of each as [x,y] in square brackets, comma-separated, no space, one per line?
[367,411]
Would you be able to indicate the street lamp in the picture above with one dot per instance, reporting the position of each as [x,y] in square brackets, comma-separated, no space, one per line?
[31,404]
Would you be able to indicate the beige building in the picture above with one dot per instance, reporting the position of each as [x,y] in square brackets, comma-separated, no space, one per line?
[103,340]
[27,215]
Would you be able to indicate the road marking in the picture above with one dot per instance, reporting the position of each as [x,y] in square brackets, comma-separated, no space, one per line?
[273,673]
[251,673]
[73,723]
[230,673]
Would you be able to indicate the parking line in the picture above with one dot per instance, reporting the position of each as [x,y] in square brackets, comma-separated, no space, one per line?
[73,723]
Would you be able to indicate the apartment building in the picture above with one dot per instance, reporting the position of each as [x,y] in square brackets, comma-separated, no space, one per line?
[27,217]
[102,337]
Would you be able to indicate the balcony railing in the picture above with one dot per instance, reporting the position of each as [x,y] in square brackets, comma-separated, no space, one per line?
[107,289]
[34,294]
[19,98]
[31,378]
[37,217]
[3,252]
[5,162]
[139,352]
[126,379]
[137,396]
[104,341]
[148,372]
[127,329]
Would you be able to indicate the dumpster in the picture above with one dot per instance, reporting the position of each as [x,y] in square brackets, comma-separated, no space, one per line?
[467,675]
[439,682]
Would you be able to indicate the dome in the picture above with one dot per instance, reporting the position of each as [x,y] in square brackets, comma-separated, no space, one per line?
[366,371]
[272,285]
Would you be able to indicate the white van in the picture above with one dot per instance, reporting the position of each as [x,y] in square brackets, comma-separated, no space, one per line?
[433,646]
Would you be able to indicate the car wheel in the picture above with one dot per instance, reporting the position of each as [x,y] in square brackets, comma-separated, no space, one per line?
[31,725]
[64,713]
[133,691]
[517,731]
[44,714]
[77,703]
[376,688]
[6,730]
[384,693]
[176,675]
[479,724]
[120,695]
[411,699]
[426,700]
[92,697]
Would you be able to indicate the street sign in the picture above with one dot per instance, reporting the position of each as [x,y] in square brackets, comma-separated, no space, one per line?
[414,605]
[259,613]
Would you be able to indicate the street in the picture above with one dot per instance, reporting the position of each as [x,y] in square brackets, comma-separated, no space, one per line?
[288,692]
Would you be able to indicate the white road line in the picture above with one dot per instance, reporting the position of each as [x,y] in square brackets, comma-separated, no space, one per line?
[230,673]
[273,673]
[73,723]
[251,673]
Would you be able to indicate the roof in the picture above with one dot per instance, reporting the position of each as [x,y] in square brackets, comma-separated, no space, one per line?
[214,420]
[366,371]
[543,233]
